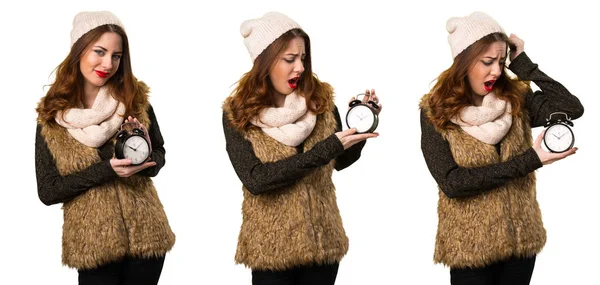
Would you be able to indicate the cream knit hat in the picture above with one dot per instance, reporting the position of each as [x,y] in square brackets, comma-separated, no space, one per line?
[87,21]
[464,31]
[260,33]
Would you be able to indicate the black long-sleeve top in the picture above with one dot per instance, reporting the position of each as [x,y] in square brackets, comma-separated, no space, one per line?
[261,177]
[54,188]
[456,181]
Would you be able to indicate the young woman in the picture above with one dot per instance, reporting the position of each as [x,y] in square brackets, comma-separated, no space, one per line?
[476,139]
[115,230]
[284,138]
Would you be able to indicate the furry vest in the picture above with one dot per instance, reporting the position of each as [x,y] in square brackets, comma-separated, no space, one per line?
[479,230]
[110,221]
[298,225]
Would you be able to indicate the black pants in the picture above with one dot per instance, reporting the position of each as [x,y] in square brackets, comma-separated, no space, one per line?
[302,275]
[129,271]
[513,271]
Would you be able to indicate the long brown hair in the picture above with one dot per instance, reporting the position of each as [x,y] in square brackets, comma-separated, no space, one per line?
[452,91]
[253,92]
[67,90]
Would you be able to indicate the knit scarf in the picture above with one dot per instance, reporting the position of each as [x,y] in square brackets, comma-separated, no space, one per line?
[489,122]
[290,124]
[93,127]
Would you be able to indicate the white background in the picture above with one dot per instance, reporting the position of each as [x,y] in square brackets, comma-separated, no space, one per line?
[192,55]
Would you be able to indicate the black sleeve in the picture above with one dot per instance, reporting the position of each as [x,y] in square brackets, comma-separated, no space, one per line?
[456,181]
[158,149]
[54,188]
[553,96]
[350,155]
[261,177]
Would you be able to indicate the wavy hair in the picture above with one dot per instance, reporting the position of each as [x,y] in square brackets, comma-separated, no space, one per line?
[67,91]
[452,91]
[253,91]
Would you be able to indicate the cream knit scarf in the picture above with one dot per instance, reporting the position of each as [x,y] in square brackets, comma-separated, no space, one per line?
[290,124]
[489,122]
[93,127]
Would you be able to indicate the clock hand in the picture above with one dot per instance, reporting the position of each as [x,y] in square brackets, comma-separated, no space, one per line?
[556,136]
[134,148]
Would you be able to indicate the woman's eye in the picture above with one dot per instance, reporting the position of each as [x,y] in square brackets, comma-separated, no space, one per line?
[99,52]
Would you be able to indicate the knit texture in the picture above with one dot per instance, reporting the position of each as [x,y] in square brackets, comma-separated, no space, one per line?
[261,178]
[93,127]
[489,122]
[290,124]
[464,31]
[87,21]
[260,33]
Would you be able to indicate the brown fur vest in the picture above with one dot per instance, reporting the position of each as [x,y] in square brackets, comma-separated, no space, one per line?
[298,225]
[108,222]
[479,230]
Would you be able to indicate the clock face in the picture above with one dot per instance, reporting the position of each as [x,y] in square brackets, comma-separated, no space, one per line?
[559,138]
[360,117]
[136,148]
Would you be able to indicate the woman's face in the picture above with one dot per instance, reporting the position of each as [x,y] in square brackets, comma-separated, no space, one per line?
[101,61]
[487,69]
[288,67]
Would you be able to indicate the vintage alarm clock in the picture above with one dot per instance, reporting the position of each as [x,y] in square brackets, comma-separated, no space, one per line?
[131,143]
[558,136]
[362,116]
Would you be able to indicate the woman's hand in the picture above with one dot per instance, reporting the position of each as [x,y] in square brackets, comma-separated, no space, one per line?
[369,96]
[517,46]
[123,167]
[348,137]
[549,157]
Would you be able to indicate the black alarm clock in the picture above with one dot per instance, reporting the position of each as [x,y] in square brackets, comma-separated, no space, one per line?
[559,136]
[362,116]
[131,143]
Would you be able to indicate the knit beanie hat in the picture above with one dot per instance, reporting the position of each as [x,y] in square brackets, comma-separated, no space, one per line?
[260,33]
[87,21]
[464,31]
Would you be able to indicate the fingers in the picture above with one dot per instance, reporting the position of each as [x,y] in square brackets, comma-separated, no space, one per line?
[128,169]
[370,96]
[348,132]
[552,157]
[538,140]
[120,162]
[133,120]
[341,135]
[362,137]
[562,155]
[356,138]
[142,166]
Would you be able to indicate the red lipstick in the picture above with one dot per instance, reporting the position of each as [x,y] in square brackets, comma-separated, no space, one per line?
[489,85]
[293,83]
[101,74]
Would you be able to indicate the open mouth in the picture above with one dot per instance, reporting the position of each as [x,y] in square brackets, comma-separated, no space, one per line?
[489,85]
[293,83]
[101,74]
